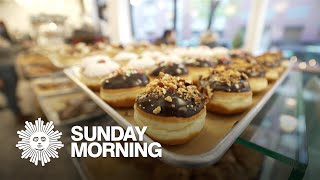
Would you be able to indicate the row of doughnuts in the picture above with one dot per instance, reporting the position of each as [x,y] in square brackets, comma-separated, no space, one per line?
[166,100]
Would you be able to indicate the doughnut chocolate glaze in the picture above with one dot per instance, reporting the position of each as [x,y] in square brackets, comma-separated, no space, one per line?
[126,79]
[171,96]
[251,70]
[228,80]
[173,69]
[199,63]
[268,60]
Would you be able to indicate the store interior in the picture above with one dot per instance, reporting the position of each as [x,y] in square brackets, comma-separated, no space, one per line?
[58,57]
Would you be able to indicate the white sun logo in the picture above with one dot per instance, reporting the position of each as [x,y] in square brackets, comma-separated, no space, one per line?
[39,142]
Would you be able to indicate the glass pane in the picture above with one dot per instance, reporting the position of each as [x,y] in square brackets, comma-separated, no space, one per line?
[192,19]
[279,130]
[230,20]
[151,18]
[293,25]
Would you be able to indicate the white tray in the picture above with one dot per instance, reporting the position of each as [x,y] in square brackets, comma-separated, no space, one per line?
[189,155]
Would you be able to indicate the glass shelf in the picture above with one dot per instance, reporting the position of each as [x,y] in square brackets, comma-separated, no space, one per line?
[279,130]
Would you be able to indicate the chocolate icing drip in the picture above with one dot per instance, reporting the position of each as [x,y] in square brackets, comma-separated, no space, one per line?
[126,80]
[173,69]
[179,107]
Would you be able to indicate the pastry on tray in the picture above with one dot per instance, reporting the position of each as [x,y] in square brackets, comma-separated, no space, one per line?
[272,65]
[228,90]
[171,68]
[173,109]
[122,88]
[256,73]
[124,57]
[142,63]
[96,68]
[198,67]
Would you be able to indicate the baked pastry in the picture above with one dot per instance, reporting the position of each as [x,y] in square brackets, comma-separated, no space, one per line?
[228,90]
[198,67]
[121,89]
[124,57]
[173,109]
[272,66]
[256,73]
[171,68]
[143,63]
[94,69]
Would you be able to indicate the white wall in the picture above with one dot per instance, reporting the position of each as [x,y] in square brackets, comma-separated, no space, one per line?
[16,14]
[119,21]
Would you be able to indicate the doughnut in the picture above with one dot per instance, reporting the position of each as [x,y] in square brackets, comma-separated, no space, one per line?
[124,57]
[121,89]
[173,109]
[228,90]
[198,67]
[94,69]
[272,64]
[256,73]
[145,63]
[171,68]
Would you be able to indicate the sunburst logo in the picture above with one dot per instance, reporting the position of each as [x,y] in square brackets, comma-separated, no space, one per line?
[39,142]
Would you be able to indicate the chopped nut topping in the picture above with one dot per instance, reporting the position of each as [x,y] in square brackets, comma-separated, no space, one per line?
[157,110]
[165,83]
[168,98]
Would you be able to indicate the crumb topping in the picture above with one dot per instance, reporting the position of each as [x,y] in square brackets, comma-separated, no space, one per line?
[224,79]
[171,96]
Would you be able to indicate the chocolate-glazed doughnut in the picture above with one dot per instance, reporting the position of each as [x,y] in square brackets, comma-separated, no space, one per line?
[172,102]
[171,68]
[172,108]
[131,78]
[228,90]
[199,67]
[199,63]
[122,88]
[270,62]
[256,73]
[227,80]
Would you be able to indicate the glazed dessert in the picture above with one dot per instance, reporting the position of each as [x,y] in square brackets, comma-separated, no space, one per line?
[173,109]
[94,69]
[121,89]
[256,73]
[198,67]
[228,90]
[124,57]
[143,63]
[220,52]
[271,64]
[171,68]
